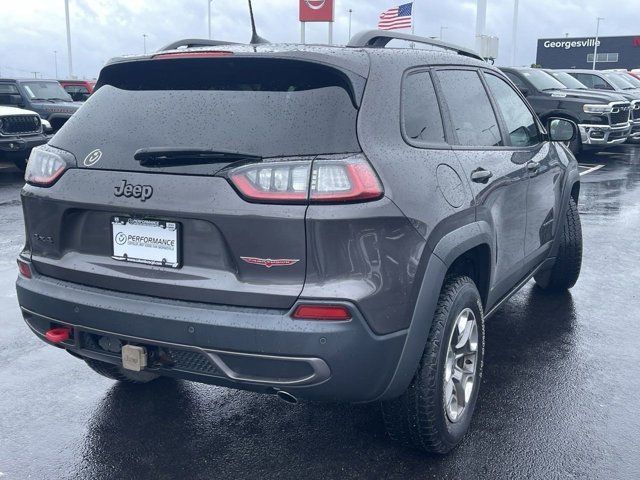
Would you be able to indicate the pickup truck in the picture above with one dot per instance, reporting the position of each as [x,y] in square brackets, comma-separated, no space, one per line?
[45,97]
[20,131]
[602,118]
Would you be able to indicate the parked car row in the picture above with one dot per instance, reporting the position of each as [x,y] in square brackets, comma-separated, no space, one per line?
[604,106]
[31,110]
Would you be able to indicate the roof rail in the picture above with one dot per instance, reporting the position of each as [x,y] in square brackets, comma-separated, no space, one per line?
[380,39]
[194,42]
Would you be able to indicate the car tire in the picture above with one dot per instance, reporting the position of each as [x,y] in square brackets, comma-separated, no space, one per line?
[115,372]
[566,269]
[21,164]
[422,417]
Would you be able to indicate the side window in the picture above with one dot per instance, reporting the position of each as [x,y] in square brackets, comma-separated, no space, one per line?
[592,81]
[421,119]
[520,123]
[601,84]
[587,80]
[472,117]
[518,82]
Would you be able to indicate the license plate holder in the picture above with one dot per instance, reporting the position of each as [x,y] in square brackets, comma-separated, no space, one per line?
[146,241]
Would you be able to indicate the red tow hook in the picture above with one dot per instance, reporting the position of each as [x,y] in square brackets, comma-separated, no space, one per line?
[58,335]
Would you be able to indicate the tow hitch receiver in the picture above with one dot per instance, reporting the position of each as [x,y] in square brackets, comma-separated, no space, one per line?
[58,334]
[134,357]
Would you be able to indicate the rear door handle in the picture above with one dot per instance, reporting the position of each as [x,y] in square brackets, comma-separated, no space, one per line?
[480,175]
[533,166]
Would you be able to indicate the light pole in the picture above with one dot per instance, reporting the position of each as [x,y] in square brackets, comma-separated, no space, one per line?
[209,4]
[442,29]
[595,47]
[350,15]
[55,61]
[144,41]
[514,34]
[481,23]
[66,11]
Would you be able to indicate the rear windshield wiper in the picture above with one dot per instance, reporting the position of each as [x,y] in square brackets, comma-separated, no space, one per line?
[176,156]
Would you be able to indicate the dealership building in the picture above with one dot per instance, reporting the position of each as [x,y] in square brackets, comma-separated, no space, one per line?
[613,52]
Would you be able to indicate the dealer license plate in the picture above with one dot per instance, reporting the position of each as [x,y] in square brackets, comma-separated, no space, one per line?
[152,242]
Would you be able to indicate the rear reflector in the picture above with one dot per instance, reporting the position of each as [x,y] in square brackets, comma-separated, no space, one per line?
[24,268]
[58,335]
[322,312]
[192,55]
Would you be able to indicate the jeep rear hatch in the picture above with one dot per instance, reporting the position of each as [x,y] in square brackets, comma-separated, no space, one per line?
[152,208]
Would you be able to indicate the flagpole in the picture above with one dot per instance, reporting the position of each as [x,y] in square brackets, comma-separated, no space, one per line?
[413,19]
[413,23]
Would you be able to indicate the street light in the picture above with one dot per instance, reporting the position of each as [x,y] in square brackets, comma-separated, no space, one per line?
[144,40]
[209,3]
[442,29]
[66,11]
[514,35]
[595,48]
[350,15]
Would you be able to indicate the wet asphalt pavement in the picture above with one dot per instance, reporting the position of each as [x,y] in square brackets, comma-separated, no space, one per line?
[559,398]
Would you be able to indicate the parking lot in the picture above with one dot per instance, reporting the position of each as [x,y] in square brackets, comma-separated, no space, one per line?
[558,397]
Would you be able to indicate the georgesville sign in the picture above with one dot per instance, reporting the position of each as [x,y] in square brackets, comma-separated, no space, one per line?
[316,10]
[614,52]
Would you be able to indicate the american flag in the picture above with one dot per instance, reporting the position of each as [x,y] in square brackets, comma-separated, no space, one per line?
[398,17]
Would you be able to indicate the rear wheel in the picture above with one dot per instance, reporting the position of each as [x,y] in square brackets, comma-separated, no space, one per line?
[115,372]
[435,412]
[566,269]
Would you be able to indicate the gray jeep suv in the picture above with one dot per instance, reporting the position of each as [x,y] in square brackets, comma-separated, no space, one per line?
[325,223]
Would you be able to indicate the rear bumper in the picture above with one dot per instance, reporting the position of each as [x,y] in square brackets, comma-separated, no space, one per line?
[604,135]
[256,349]
[21,146]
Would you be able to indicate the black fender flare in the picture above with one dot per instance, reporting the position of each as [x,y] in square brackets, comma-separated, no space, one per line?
[450,247]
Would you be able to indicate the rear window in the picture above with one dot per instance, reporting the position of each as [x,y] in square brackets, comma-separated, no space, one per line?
[421,119]
[259,107]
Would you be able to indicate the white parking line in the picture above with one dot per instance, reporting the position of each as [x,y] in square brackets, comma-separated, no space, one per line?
[591,170]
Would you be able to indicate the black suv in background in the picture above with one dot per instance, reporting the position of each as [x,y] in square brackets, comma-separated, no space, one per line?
[602,118]
[319,222]
[45,97]
[615,83]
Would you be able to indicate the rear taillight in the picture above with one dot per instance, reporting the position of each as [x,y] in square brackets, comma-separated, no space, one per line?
[335,313]
[350,179]
[46,164]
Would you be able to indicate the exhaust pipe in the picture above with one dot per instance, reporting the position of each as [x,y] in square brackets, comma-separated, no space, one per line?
[286,397]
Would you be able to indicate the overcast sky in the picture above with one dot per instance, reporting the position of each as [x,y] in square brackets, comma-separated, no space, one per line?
[30,30]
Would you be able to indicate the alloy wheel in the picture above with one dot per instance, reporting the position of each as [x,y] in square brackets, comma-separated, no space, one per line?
[461,365]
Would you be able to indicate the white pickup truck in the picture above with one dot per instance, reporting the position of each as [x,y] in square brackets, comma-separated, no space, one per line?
[20,131]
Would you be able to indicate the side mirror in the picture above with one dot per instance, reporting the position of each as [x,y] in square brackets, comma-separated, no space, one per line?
[16,100]
[561,130]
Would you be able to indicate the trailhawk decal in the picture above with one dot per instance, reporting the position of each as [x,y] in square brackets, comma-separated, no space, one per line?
[269,262]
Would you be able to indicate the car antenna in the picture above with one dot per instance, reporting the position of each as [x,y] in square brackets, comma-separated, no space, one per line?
[255,38]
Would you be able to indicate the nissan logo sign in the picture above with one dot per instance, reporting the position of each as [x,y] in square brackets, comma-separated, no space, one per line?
[315,4]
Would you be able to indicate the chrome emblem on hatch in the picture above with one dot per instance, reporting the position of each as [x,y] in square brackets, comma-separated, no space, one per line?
[271,262]
[93,158]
